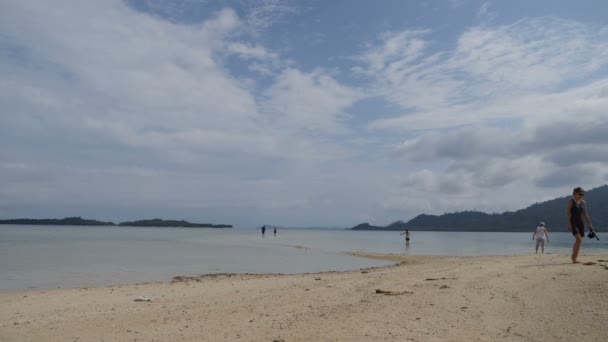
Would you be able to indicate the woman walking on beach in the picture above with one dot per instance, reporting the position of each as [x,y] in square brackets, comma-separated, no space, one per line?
[540,234]
[577,210]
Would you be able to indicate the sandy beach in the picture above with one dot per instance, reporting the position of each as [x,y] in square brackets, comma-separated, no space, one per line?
[422,298]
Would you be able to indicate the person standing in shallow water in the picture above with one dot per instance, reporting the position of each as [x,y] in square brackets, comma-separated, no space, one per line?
[540,234]
[407,235]
[577,210]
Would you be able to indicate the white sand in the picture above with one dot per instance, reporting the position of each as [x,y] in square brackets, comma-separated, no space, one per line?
[497,298]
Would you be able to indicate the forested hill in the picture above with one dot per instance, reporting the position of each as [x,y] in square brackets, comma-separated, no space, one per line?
[172,223]
[78,221]
[552,212]
[68,221]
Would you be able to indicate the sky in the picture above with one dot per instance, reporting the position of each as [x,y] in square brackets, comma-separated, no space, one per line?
[298,113]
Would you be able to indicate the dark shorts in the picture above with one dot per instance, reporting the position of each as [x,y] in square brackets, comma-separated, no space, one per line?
[407,239]
[577,231]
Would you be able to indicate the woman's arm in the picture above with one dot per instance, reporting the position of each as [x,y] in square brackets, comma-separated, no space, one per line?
[569,213]
[547,233]
[587,216]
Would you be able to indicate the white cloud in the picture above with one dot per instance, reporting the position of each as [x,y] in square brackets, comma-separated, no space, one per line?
[538,53]
[511,109]
[163,73]
[100,98]
[311,101]
[484,12]
[263,14]
[264,63]
[247,51]
[154,115]
[490,67]
[396,51]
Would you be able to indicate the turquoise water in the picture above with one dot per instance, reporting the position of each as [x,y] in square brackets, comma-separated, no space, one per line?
[46,257]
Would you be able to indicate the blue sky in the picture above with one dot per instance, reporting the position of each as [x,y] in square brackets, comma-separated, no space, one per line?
[298,113]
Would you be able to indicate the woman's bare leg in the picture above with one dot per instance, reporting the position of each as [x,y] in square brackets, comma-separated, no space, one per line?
[576,248]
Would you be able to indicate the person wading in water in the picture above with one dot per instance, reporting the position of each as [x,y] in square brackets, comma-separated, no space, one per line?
[407,235]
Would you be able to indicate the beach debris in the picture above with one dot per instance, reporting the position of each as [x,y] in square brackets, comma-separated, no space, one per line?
[317,278]
[182,278]
[200,277]
[364,272]
[442,278]
[142,299]
[601,260]
[393,293]
[589,263]
[444,287]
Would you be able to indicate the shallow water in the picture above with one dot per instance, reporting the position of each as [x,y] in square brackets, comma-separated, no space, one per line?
[45,257]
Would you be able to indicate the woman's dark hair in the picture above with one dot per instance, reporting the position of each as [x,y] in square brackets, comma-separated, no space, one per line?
[577,190]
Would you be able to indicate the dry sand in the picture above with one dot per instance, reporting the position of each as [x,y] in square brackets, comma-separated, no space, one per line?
[424,298]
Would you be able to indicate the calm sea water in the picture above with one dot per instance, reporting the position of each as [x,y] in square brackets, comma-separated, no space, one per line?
[46,257]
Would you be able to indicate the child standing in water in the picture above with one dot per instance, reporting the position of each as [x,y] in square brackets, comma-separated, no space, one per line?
[541,234]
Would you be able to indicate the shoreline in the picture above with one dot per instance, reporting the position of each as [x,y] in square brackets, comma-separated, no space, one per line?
[420,298]
[397,259]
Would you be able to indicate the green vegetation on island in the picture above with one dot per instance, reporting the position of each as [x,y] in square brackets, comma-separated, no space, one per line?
[68,221]
[552,212]
[77,221]
[172,223]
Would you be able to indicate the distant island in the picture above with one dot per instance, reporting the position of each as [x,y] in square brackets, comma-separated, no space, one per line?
[552,212]
[172,223]
[78,221]
[68,221]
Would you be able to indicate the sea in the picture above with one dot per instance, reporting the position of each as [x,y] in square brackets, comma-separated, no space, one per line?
[50,257]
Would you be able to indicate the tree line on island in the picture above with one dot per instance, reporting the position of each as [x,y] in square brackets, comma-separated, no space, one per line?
[78,221]
[552,212]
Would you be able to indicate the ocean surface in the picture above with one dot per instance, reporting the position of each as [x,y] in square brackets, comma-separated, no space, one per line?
[48,257]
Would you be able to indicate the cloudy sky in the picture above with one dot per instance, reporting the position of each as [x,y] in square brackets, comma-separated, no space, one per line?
[298,113]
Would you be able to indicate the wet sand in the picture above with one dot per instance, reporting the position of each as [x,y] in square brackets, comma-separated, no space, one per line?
[422,298]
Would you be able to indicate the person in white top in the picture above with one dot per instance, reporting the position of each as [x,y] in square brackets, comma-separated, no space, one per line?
[540,235]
